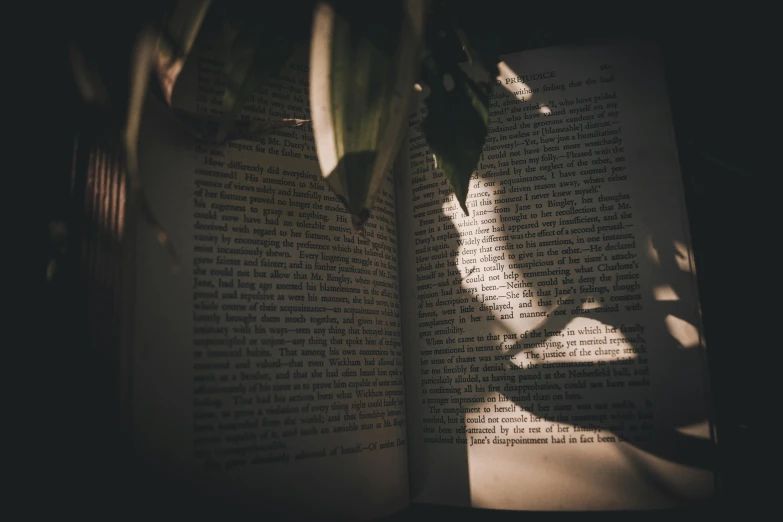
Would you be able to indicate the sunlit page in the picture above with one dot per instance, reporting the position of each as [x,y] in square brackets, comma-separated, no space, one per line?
[552,336]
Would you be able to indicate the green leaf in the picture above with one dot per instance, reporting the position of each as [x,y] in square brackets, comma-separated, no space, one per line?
[179,32]
[145,53]
[182,24]
[363,64]
[456,123]
[204,127]
[480,44]
[87,77]
[458,104]
[255,47]
[143,57]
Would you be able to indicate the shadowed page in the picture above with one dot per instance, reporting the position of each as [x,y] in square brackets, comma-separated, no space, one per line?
[268,370]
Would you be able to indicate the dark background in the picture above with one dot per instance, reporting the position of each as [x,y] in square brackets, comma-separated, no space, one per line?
[719,69]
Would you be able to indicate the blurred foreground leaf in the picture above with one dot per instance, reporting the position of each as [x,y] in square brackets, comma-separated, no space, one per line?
[363,63]
[253,44]
[480,43]
[205,128]
[179,31]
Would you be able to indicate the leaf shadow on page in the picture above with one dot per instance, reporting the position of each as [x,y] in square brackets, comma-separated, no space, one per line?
[678,407]
[678,402]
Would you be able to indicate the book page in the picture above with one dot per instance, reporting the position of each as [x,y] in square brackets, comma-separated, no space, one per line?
[268,370]
[552,336]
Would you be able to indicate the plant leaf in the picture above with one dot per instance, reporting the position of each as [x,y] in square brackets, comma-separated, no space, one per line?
[183,23]
[179,33]
[457,107]
[480,44]
[144,54]
[87,77]
[255,48]
[458,104]
[363,64]
[456,124]
[205,127]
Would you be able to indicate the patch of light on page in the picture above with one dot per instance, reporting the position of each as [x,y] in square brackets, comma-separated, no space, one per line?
[684,332]
[544,110]
[665,293]
[700,430]
[591,305]
[683,256]
[486,268]
[652,252]
[521,91]
[581,340]
[498,282]
[500,468]
[583,345]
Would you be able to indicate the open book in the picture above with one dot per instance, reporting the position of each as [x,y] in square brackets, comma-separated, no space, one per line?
[542,353]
